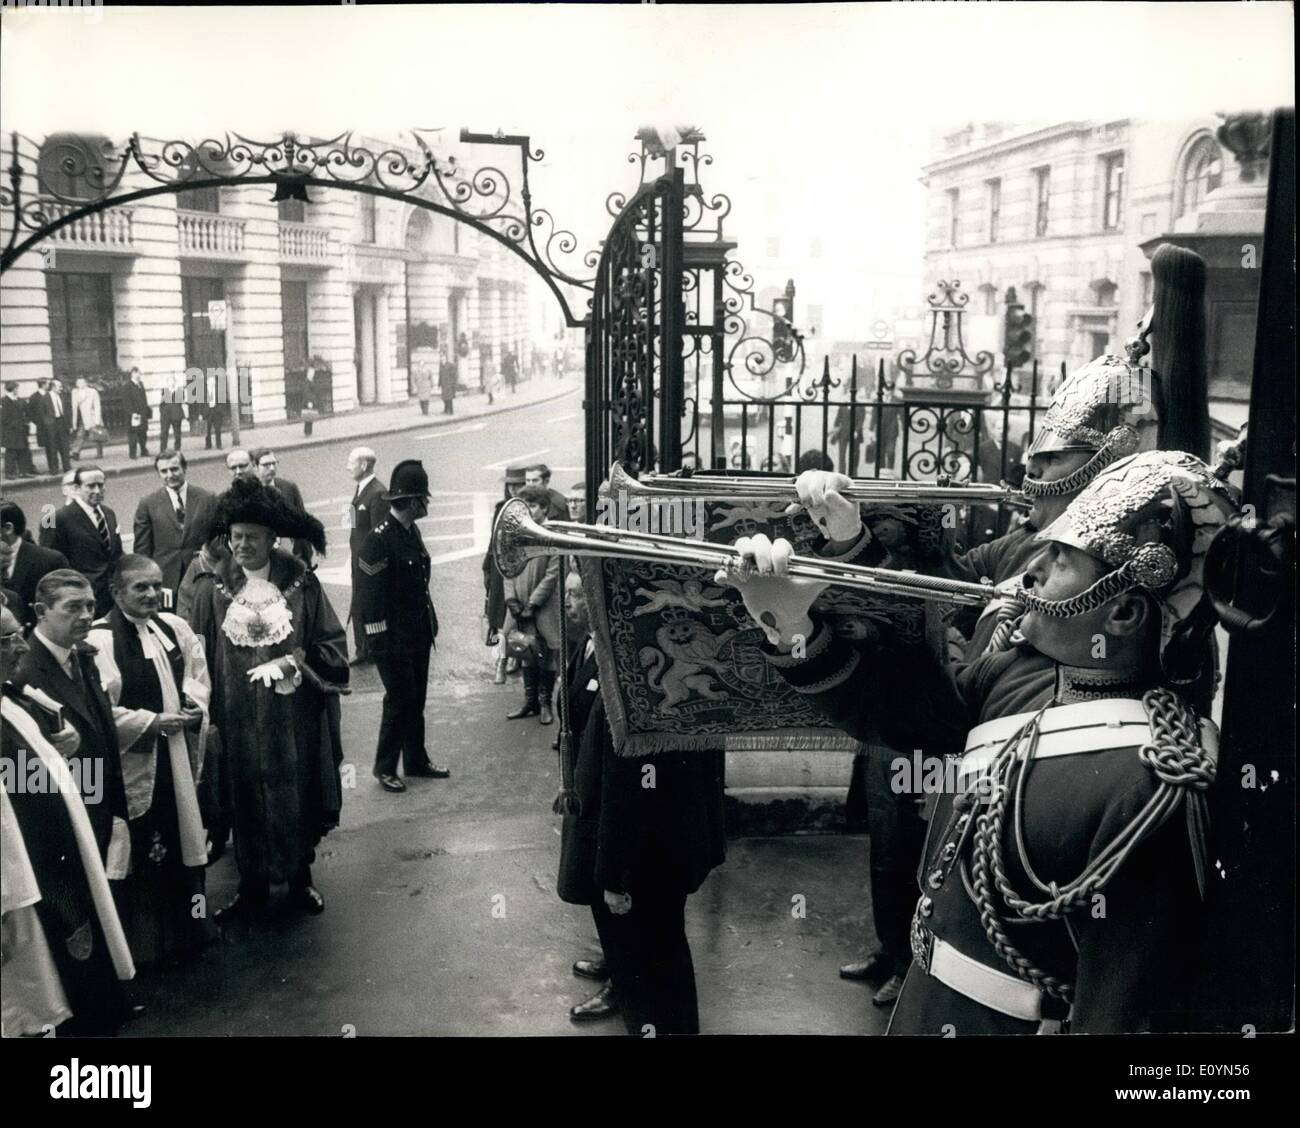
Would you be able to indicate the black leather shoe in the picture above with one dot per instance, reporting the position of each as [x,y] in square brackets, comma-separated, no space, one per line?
[390,783]
[528,709]
[874,967]
[429,771]
[591,969]
[308,897]
[545,716]
[888,994]
[601,1005]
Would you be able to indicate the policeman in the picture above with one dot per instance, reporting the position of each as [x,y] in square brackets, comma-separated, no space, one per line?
[1067,860]
[400,624]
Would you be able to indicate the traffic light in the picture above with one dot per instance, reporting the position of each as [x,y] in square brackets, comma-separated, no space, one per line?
[1017,334]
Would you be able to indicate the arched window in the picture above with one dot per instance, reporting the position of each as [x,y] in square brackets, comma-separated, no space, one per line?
[1202,173]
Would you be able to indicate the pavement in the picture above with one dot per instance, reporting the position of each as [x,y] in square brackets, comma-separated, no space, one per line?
[370,421]
[442,919]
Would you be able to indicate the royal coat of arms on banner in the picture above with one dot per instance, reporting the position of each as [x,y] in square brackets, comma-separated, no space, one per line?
[680,660]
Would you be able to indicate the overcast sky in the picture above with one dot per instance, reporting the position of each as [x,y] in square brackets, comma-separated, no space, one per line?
[818,116]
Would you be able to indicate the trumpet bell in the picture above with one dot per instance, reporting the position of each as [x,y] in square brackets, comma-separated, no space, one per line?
[512,537]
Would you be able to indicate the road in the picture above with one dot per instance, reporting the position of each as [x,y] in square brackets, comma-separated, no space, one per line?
[441,912]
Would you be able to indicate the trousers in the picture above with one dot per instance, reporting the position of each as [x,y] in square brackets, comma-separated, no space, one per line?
[137,439]
[650,963]
[897,834]
[401,727]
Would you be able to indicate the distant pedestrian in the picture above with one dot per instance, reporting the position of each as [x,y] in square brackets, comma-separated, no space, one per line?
[447,383]
[488,375]
[510,370]
[171,413]
[87,419]
[13,431]
[138,415]
[54,424]
[310,400]
[215,411]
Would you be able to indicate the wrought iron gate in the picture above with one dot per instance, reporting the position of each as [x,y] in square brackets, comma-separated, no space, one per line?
[634,353]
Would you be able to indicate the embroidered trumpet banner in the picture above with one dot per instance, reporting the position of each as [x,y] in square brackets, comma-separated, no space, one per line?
[680,662]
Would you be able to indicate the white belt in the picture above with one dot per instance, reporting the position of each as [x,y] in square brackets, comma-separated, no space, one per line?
[1066,730]
[996,990]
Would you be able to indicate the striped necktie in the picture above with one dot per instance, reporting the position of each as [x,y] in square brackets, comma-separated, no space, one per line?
[102,526]
[180,506]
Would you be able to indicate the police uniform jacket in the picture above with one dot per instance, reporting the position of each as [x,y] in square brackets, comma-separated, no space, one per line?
[393,590]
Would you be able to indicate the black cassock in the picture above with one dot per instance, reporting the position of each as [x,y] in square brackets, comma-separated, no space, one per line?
[157,901]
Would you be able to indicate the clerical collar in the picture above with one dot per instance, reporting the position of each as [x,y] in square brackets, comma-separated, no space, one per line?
[1078,683]
[139,622]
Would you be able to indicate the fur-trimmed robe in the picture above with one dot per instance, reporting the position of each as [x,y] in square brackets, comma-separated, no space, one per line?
[276,777]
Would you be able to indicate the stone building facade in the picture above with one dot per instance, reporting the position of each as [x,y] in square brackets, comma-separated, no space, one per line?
[1069,214]
[352,280]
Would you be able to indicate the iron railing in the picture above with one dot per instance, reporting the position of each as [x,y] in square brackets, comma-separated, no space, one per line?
[870,425]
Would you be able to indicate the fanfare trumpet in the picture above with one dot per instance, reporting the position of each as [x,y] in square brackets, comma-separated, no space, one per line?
[868,490]
[517,538]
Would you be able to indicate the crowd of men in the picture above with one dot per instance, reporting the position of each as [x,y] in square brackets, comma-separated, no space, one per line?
[159,701]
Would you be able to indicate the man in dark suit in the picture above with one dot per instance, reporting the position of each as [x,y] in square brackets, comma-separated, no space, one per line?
[173,523]
[368,510]
[61,665]
[138,415]
[13,431]
[86,532]
[23,564]
[53,424]
[580,776]
[266,465]
[83,934]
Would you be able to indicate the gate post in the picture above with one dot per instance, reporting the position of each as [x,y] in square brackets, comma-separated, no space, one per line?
[672,327]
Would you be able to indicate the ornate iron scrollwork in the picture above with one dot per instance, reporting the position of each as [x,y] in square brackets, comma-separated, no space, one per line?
[945,359]
[73,176]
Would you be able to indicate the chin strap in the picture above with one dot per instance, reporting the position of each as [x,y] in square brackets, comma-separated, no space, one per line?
[1152,567]
[1121,441]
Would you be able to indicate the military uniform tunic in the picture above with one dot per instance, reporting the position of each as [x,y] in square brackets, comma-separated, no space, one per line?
[400,625]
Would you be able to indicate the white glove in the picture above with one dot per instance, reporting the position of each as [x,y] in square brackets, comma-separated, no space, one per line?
[837,517]
[777,601]
[275,673]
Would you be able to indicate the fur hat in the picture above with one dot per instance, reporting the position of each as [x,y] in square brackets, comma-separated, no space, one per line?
[248,502]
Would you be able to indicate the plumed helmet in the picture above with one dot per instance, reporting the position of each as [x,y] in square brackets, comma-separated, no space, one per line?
[409,480]
[1107,407]
[1151,517]
[248,502]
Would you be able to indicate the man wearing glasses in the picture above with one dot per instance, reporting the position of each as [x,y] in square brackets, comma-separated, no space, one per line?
[239,464]
[266,465]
